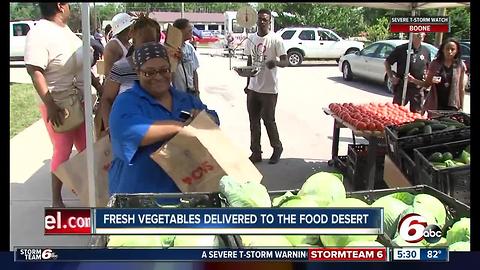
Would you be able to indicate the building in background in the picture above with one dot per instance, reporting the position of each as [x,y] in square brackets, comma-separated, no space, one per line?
[209,22]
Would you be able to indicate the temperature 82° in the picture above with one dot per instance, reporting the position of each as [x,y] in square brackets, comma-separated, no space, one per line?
[433,254]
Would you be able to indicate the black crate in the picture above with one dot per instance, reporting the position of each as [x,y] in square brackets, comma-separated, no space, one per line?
[341,163]
[437,113]
[454,181]
[408,143]
[357,173]
[406,163]
[358,153]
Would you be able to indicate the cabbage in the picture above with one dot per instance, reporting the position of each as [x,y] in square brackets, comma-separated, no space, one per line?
[298,202]
[343,240]
[393,208]
[431,208]
[265,241]
[205,241]
[408,210]
[300,240]
[364,244]
[324,187]
[460,231]
[154,241]
[403,196]
[459,246]
[280,200]
[248,194]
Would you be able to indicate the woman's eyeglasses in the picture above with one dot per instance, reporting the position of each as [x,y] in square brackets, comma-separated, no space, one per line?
[152,73]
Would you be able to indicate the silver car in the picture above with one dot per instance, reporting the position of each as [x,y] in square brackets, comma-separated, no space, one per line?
[369,62]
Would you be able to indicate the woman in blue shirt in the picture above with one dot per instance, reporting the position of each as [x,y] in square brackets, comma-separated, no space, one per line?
[144,118]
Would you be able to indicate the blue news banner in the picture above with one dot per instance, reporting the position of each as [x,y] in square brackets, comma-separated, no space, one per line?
[238,221]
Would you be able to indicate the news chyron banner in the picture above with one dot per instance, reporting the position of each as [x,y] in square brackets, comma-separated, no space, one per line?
[177,221]
[231,222]
[419,24]
[287,254]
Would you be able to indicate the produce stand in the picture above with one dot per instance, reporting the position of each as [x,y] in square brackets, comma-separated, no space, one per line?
[374,138]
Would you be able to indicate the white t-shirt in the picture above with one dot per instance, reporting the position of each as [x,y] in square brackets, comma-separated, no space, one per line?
[58,51]
[190,63]
[263,49]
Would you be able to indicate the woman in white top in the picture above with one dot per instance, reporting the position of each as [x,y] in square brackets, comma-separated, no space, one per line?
[54,62]
[122,75]
[117,47]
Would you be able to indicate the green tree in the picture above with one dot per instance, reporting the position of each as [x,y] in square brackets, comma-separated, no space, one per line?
[346,21]
[24,11]
[380,30]
[459,23]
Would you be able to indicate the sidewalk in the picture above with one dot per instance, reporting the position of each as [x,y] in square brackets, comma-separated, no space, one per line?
[30,190]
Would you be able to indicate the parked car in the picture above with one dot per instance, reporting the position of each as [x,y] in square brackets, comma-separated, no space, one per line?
[18,36]
[369,62]
[465,49]
[315,43]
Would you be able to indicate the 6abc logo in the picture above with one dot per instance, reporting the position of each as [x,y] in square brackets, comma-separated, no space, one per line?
[413,228]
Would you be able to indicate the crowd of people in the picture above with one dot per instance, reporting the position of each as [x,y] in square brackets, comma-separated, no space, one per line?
[143,97]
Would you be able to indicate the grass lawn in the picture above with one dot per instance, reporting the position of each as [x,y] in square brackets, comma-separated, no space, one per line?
[23,107]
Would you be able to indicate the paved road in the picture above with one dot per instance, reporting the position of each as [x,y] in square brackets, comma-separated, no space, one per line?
[304,130]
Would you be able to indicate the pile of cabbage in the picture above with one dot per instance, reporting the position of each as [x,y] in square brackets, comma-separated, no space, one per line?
[322,189]
[325,189]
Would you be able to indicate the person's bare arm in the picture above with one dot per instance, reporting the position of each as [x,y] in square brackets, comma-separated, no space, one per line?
[112,54]
[110,92]
[195,81]
[423,83]
[388,70]
[274,63]
[55,113]
[160,131]
[96,84]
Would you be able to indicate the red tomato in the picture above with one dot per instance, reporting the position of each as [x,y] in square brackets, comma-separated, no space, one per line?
[379,126]
[371,126]
[361,126]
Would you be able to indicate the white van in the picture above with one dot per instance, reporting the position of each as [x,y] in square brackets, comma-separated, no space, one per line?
[18,35]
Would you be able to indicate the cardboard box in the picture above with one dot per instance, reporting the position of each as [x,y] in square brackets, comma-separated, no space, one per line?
[174,40]
[201,154]
[393,176]
[73,173]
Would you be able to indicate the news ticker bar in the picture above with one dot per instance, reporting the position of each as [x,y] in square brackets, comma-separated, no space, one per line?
[293,254]
[220,220]
[432,24]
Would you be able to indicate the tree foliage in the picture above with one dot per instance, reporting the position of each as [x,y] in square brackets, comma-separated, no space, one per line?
[346,21]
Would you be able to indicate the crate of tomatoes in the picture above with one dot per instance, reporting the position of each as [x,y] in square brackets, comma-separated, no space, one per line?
[372,117]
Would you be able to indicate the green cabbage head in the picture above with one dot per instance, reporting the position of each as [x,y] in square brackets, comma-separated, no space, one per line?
[324,187]
[247,194]
[343,240]
[392,209]
[460,231]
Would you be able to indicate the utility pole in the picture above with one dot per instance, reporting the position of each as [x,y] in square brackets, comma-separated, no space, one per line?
[183,10]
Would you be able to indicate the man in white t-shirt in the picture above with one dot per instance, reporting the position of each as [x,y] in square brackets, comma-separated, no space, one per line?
[264,49]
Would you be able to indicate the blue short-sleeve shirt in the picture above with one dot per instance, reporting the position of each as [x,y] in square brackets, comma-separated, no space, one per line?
[133,112]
